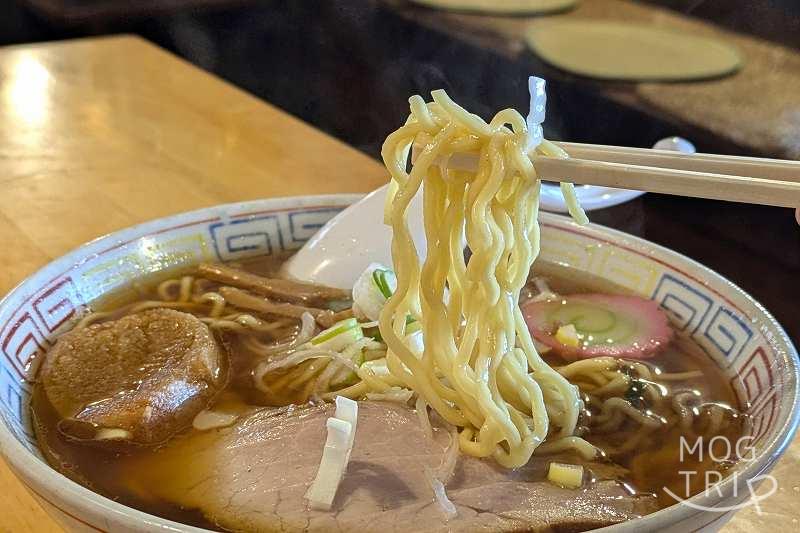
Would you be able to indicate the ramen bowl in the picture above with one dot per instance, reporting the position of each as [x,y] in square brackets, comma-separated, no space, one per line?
[736,332]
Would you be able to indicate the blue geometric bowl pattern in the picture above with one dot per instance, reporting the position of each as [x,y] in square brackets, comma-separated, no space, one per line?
[30,324]
[742,339]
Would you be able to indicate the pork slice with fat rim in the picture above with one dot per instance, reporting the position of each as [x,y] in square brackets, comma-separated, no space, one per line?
[254,476]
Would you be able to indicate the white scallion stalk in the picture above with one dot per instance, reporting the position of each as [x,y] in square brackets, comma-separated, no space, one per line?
[347,410]
[339,336]
[335,455]
[371,290]
[565,475]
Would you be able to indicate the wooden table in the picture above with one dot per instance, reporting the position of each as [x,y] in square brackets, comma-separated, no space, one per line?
[98,135]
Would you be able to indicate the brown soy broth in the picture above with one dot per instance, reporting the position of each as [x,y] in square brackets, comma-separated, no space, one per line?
[654,469]
[101,469]
[106,471]
[144,288]
[660,465]
[121,473]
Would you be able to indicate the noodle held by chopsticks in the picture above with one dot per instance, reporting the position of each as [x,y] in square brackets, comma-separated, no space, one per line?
[479,368]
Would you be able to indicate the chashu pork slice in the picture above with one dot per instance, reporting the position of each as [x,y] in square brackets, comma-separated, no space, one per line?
[141,378]
[253,477]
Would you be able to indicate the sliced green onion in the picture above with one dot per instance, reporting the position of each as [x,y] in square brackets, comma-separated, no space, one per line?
[336,329]
[379,277]
[371,291]
[339,336]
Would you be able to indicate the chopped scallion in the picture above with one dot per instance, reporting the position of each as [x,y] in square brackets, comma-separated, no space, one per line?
[379,277]
[339,336]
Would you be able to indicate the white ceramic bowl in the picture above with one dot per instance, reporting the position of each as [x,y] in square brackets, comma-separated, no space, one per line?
[739,335]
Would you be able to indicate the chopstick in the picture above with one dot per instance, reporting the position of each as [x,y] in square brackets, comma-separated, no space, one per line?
[732,188]
[776,169]
[751,180]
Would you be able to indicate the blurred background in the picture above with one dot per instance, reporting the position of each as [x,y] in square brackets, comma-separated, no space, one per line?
[368,56]
[315,59]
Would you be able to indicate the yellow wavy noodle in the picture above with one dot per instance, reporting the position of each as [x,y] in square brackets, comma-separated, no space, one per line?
[479,369]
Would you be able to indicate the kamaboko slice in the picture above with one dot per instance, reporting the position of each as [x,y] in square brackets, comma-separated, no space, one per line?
[583,326]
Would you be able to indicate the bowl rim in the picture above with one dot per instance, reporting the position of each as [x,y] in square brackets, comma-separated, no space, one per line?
[25,465]
[772,451]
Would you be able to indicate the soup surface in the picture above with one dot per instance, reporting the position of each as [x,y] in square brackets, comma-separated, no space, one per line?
[678,394]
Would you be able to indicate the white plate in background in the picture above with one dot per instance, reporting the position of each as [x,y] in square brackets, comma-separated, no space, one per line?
[591,197]
[594,197]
